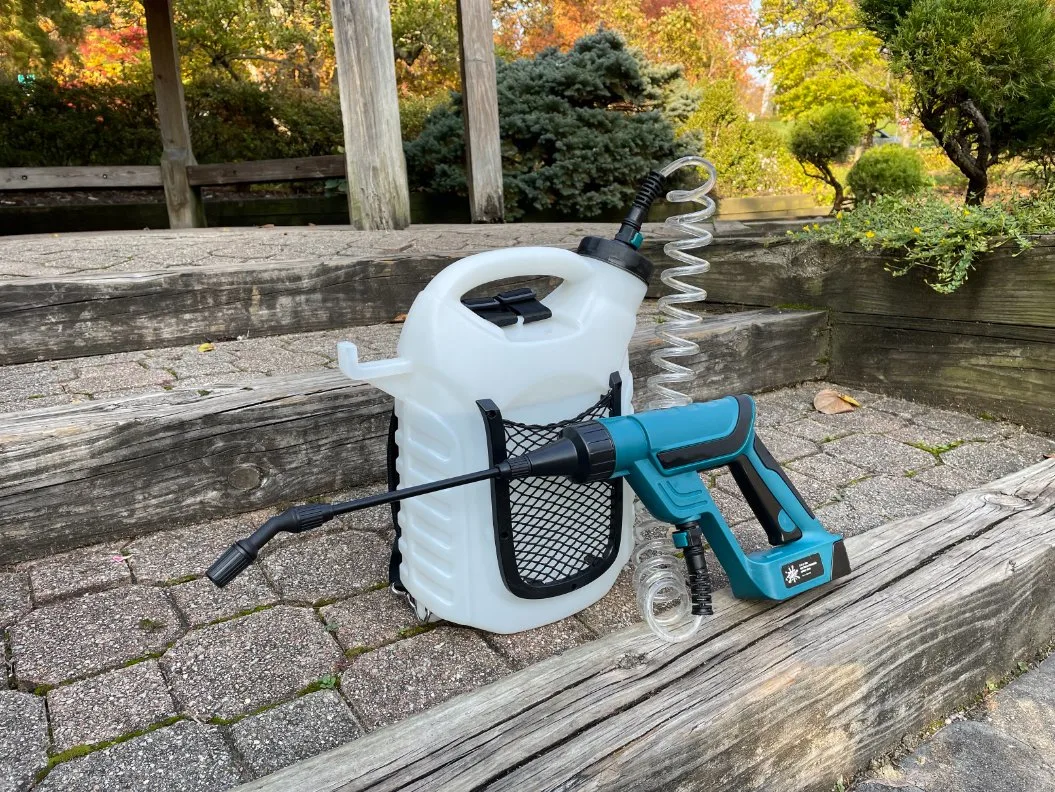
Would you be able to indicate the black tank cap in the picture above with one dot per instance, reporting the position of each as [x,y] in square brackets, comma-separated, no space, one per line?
[618,254]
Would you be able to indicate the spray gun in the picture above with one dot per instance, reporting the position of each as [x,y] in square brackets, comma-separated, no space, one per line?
[661,454]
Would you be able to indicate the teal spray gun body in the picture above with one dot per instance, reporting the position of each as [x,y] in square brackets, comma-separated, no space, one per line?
[661,453]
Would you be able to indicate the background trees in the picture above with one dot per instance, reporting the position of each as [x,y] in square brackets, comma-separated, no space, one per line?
[982,75]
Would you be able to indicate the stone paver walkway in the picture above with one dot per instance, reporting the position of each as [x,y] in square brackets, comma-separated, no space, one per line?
[125,669]
[1005,744]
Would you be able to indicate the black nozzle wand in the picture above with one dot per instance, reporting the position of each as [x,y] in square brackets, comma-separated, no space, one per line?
[560,458]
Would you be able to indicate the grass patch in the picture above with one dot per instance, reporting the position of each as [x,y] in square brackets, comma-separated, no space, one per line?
[937,451]
[417,629]
[78,751]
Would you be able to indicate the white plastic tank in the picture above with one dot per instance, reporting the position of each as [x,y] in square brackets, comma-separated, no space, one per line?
[540,372]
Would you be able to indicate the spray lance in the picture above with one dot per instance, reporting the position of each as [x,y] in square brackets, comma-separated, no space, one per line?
[661,454]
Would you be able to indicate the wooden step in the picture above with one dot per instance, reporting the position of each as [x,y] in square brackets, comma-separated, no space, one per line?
[79,474]
[785,698]
[51,317]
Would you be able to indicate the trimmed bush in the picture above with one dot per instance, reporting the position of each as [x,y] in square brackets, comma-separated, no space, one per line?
[579,130]
[886,170]
[823,137]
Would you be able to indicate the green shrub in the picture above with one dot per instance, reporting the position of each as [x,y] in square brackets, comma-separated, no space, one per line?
[579,130]
[822,137]
[942,238]
[749,156]
[43,124]
[886,170]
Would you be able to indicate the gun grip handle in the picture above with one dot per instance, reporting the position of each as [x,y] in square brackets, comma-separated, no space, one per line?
[760,497]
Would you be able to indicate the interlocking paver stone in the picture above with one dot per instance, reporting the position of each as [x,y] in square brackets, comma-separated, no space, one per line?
[963,426]
[291,732]
[859,420]
[117,377]
[77,572]
[183,757]
[526,648]
[979,463]
[91,633]
[616,609]
[842,518]
[234,667]
[809,429]
[831,470]
[891,497]
[328,566]
[784,446]
[100,708]
[370,619]
[879,454]
[398,680]
[23,739]
[731,503]
[177,553]
[816,493]
[201,602]
[974,757]
[14,597]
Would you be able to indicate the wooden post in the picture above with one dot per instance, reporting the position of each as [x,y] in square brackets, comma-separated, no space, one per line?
[184,202]
[483,153]
[378,196]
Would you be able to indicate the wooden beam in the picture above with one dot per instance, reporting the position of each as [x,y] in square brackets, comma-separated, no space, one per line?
[89,472]
[183,201]
[848,280]
[73,178]
[1006,371]
[291,169]
[483,147]
[784,697]
[378,195]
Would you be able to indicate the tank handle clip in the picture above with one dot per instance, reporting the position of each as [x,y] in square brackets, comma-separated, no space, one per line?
[503,309]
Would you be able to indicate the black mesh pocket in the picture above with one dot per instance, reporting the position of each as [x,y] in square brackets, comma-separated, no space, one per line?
[552,535]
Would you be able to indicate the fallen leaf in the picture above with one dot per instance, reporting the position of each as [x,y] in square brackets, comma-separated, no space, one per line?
[849,399]
[206,347]
[1049,456]
[829,402]
[398,319]
[268,225]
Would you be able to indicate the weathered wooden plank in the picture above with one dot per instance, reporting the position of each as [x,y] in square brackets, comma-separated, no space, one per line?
[77,316]
[84,473]
[378,195]
[766,206]
[483,146]
[72,178]
[786,697]
[184,204]
[291,169]
[968,366]
[74,316]
[1003,289]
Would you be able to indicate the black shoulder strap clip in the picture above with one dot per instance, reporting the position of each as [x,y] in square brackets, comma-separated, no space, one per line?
[503,309]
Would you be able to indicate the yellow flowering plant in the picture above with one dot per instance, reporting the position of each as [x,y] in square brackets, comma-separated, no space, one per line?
[941,237]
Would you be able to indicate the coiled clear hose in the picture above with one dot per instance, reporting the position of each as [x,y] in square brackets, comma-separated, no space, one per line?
[659,575]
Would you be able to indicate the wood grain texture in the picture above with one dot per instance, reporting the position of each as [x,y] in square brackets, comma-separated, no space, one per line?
[290,169]
[183,201]
[1004,370]
[1003,289]
[101,176]
[782,698]
[78,315]
[84,473]
[483,149]
[378,195]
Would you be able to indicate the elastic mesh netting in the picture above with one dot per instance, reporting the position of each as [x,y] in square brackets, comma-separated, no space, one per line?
[559,528]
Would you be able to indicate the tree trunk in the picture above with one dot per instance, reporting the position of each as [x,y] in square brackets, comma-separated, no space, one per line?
[976,189]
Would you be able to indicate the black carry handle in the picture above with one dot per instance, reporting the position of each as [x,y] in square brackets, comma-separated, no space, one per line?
[759,497]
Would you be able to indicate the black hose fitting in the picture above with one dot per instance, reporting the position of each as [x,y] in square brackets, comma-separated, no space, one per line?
[651,188]
[689,538]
